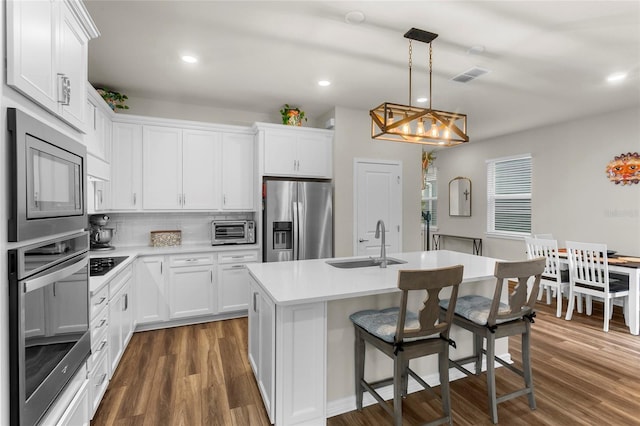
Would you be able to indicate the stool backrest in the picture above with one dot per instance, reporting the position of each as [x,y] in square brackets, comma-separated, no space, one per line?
[519,304]
[433,281]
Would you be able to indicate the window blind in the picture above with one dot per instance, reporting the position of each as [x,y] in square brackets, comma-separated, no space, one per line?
[509,195]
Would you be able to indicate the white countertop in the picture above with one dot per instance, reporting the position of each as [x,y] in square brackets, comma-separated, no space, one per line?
[132,252]
[304,281]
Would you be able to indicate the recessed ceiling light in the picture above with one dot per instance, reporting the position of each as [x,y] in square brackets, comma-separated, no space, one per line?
[324,83]
[616,77]
[189,59]
[422,100]
[354,17]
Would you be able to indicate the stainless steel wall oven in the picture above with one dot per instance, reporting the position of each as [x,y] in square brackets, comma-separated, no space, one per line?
[48,170]
[49,335]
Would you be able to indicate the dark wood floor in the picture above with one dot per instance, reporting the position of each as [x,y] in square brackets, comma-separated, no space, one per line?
[200,375]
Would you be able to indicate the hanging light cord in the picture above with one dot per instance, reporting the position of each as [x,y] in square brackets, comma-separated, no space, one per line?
[410,65]
[430,71]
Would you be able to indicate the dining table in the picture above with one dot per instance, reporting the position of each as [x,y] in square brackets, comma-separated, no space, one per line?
[627,265]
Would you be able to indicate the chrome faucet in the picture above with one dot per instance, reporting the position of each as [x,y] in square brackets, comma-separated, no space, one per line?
[383,248]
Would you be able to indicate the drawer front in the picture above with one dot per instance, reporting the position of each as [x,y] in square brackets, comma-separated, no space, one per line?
[191,260]
[98,382]
[118,281]
[99,337]
[238,256]
[99,301]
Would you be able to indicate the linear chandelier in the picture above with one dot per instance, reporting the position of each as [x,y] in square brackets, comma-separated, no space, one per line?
[408,123]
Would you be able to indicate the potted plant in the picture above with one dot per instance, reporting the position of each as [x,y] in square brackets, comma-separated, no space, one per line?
[114,99]
[292,116]
[427,160]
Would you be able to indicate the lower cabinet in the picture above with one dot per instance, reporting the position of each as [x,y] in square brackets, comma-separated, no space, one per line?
[98,381]
[72,408]
[120,316]
[233,280]
[150,290]
[262,327]
[78,412]
[191,286]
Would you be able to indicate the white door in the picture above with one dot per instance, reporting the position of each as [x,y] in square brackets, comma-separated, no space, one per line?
[378,195]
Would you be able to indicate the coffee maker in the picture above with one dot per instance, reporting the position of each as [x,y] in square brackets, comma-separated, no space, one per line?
[100,236]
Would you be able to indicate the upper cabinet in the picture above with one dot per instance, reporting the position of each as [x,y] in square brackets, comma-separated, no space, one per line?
[238,171]
[126,166]
[51,68]
[295,151]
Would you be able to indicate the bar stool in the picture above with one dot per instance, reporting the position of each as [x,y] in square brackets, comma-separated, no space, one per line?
[491,319]
[403,336]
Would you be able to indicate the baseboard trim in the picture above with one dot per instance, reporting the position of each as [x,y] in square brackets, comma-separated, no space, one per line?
[344,405]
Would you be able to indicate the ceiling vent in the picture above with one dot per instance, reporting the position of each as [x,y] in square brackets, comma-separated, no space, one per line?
[470,74]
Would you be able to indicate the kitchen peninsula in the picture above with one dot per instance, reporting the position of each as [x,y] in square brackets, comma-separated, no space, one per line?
[301,340]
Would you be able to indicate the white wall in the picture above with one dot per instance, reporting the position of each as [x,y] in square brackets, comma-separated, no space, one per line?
[572,197]
[352,139]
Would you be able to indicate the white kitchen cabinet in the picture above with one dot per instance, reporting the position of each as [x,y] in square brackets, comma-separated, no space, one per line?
[98,136]
[51,68]
[151,298]
[178,170]
[191,286]
[233,280]
[296,151]
[120,316]
[98,382]
[126,168]
[78,411]
[238,171]
[262,335]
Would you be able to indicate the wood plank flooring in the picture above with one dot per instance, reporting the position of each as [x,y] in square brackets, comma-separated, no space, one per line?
[200,375]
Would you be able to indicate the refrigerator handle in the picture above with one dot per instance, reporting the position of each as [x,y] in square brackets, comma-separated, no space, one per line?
[301,228]
[296,227]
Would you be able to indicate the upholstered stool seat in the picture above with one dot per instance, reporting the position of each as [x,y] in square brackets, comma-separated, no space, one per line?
[403,335]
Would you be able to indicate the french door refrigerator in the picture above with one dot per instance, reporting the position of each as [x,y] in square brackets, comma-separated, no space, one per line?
[298,220]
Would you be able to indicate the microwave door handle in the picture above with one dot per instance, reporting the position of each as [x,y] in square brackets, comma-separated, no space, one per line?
[39,282]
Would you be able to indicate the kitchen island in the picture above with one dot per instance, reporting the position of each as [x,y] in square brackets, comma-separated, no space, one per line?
[301,340]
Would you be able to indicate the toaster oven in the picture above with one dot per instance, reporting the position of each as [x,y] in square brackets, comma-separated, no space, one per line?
[233,232]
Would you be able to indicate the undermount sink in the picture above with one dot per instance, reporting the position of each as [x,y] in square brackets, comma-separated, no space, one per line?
[362,263]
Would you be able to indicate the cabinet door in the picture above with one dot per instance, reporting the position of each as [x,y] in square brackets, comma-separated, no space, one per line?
[162,167]
[238,171]
[254,327]
[128,319]
[31,59]
[77,413]
[233,287]
[150,293]
[126,168]
[63,297]
[280,157]
[314,155]
[72,65]
[190,291]
[201,170]
[116,326]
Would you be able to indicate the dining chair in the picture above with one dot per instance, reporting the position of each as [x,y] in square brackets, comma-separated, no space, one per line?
[544,236]
[403,335]
[552,278]
[490,319]
[589,276]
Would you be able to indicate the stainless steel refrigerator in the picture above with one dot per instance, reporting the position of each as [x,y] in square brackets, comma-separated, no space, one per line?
[298,220]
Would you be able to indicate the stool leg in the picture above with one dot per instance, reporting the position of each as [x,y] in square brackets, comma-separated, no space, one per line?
[491,376]
[526,366]
[405,379]
[443,360]
[477,350]
[398,384]
[359,370]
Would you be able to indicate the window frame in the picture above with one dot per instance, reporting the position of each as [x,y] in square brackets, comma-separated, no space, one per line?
[492,197]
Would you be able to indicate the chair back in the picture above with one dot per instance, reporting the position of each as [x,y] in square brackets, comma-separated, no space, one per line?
[519,304]
[588,265]
[433,281]
[547,248]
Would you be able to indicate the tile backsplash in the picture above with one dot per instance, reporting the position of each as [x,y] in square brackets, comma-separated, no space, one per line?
[133,229]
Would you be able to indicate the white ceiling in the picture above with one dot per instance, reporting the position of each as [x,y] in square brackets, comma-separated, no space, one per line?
[548,61]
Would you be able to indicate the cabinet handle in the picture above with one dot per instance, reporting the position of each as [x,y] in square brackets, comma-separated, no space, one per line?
[179,199]
[102,345]
[161,268]
[134,198]
[102,323]
[64,89]
[224,200]
[237,266]
[184,199]
[99,302]
[126,301]
[102,379]
[362,240]
[54,289]
[254,301]
[211,277]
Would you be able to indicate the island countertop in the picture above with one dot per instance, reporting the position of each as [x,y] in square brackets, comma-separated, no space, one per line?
[307,281]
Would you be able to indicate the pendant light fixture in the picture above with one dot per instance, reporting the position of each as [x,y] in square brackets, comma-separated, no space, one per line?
[408,123]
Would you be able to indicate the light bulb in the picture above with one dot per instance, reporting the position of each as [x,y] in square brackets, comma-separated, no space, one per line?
[433,131]
[406,128]
[420,128]
[447,133]
[390,122]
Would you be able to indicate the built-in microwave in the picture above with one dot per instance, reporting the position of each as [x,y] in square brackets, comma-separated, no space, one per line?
[233,232]
[48,170]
